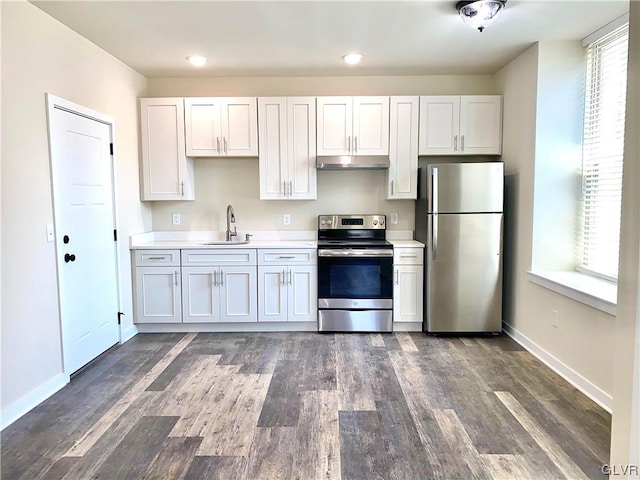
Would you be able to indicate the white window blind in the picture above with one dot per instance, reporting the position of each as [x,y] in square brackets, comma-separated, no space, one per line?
[602,152]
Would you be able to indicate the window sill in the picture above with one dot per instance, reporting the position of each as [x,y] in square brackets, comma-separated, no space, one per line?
[595,292]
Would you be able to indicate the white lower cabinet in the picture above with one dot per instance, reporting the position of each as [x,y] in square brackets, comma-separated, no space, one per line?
[157,286]
[408,282]
[219,294]
[287,286]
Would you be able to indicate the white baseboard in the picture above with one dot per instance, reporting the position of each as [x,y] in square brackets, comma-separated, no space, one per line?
[407,327]
[32,399]
[128,334]
[228,327]
[592,391]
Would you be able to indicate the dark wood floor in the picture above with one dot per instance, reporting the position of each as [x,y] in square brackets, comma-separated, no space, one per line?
[305,405]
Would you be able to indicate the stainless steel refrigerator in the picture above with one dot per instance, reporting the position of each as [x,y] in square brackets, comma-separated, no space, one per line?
[459,217]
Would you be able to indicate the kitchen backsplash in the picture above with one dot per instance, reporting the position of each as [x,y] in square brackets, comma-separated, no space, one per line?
[219,182]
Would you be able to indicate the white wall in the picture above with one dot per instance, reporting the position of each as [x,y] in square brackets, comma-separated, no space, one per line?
[625,448]
[220,182]
[41,55]
[581,341]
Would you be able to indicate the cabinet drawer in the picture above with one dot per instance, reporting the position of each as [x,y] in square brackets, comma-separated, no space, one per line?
[307,256]
[165,258]
[244,256]
[408,256]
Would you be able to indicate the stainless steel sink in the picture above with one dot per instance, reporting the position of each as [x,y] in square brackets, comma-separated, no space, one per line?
[226,242]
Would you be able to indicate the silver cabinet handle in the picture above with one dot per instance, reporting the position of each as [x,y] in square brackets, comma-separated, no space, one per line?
[156,258]
[397,277]
[290,188]
[462,143]
[213,279]
[391,187]
[408,256]
[349,142]
[455,143]
[284,257]
[283,278]
[182,189]
[224,139]
[221,278]
[290,277]
[355,143]
[175,278]
[218,144]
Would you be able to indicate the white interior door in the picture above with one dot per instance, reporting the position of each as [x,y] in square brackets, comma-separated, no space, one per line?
[82,175]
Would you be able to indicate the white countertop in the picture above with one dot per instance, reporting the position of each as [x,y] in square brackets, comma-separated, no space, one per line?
[260,239]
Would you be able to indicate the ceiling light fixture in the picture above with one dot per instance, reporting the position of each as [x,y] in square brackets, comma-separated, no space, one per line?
[352,58]
[197,60]
[480,13]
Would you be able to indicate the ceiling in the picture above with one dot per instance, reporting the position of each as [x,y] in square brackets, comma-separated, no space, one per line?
[303,38]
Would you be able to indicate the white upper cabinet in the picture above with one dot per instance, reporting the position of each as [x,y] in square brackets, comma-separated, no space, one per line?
[167,173]
[221,127]
[461,125]
[353,125]
[403,148]
[287,134]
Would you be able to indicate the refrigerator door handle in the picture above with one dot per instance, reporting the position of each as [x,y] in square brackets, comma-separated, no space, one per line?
[434,203]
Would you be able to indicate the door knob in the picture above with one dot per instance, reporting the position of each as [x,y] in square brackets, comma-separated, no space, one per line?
[69,257]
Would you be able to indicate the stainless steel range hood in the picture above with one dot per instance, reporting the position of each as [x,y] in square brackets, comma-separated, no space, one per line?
[352,162]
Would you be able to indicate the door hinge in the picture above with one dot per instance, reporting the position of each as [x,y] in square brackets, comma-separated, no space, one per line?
[111,148]
[120,314]
[115,235]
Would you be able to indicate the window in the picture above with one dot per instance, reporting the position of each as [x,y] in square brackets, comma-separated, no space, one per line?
[602,152]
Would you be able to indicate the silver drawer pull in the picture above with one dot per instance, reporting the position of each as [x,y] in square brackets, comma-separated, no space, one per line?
[286,256]
[408,256]
[156,258]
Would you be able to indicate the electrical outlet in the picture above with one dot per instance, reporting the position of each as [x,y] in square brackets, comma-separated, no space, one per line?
[394,218]
[554,318]
[176,219]
[286,219]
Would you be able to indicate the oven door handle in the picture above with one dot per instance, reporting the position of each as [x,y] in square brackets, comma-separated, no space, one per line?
[388,252]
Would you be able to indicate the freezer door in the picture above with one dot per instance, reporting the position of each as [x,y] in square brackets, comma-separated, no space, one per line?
[465,187]
[464,273]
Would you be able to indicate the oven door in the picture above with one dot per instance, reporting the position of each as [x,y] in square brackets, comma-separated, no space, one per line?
[355,278]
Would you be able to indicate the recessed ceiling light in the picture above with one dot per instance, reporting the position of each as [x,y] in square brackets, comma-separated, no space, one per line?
[197,60]
[352,58]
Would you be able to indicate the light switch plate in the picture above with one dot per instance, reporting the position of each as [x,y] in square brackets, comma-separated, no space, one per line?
[394,218]
[176,219]
[50,236]
[286,219]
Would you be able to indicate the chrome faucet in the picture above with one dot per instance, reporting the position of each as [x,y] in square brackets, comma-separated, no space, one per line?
[231,219]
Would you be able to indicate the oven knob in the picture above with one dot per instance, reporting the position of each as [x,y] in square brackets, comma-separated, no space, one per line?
[329,222]
[381,221]
[323,222]
[375,222]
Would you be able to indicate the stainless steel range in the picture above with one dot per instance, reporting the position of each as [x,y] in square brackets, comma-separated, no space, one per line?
[355,274]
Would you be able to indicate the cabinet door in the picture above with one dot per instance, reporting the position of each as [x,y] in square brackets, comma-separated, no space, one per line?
[272,293]
[301,148]
[272,119]
[439,125]
[481,124]
[167,174]
[240,127]
[370,126]
[158,295]
[403,149]
[238,294]
[202,122]
[302,302]
[408,293]
[200,295]
[334,125]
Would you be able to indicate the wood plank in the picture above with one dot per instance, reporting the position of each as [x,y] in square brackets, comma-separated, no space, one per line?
[216,468]
[353,381]
[362,447]
[376,340]
[272,453]
[405,341]
[507,467]
[134,455]
[544,440]
[59,469]
[174,458]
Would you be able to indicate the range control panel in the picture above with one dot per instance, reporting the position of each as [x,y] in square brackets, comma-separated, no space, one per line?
[352,222]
